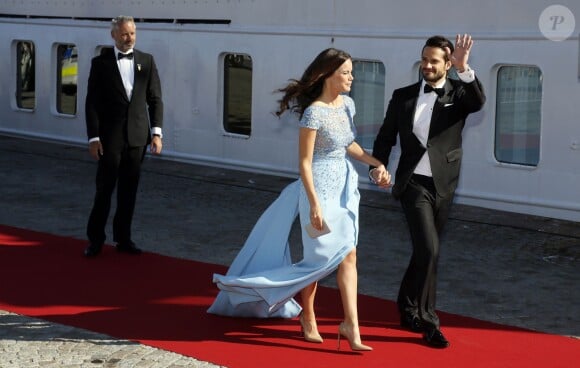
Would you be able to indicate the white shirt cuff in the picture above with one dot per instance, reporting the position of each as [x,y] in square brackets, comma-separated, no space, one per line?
[467,76]
[157,131]
[371,176]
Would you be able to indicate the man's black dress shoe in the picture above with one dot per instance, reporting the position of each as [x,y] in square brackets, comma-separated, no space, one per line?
[435,338]
[93,250]
[129,248]
[412,323]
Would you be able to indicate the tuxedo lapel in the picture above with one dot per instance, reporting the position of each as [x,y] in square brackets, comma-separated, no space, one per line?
[111,62]
[138,71]
[411,105]
[440,104]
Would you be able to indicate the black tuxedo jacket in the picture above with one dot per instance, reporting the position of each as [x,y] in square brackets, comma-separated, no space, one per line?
[444,142]
[110,115]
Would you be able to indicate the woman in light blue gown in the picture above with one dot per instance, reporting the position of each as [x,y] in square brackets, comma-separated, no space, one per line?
[262,280]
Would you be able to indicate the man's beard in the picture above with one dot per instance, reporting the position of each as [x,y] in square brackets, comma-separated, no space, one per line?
[433,77]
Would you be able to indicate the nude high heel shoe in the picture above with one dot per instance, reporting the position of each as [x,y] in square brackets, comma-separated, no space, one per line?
[309,331]
[348,334]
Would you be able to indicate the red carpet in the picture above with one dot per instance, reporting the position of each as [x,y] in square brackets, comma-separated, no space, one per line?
[161,301]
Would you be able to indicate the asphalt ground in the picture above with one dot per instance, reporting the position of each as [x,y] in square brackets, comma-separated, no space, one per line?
[507,268]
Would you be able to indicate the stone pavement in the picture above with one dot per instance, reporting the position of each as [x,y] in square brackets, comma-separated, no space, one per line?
[501,267]
[29,343]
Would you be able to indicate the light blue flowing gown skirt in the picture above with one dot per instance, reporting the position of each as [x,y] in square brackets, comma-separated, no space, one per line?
[262,280]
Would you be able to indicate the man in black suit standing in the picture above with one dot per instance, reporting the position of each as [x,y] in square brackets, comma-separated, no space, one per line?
[428,117]
[124,114]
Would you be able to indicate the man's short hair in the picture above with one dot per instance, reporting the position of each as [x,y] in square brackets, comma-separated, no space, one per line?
[115,22]
[440,42]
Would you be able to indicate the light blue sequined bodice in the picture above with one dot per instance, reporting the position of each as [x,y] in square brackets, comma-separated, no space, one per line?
[335,132]
[335,128]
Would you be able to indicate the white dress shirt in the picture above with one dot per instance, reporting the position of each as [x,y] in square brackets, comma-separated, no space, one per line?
[127,70]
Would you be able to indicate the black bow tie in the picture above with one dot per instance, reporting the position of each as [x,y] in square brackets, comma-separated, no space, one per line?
[128,56]
[440,91]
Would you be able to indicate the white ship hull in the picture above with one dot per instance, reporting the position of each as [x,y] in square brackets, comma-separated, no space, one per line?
[190,38]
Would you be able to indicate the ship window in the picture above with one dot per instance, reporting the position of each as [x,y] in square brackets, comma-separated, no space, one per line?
[237,106]
[101,49]
[518,115]
[368,93]
[25,80]
[66,79]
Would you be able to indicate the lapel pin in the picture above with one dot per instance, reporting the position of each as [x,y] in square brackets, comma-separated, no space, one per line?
[139,67]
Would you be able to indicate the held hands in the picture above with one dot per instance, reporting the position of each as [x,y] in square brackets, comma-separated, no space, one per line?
[381,177]
[460,55]
[156,145]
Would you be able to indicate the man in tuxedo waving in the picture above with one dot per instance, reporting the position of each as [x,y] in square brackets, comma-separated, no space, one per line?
[428,117]
[124,114]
